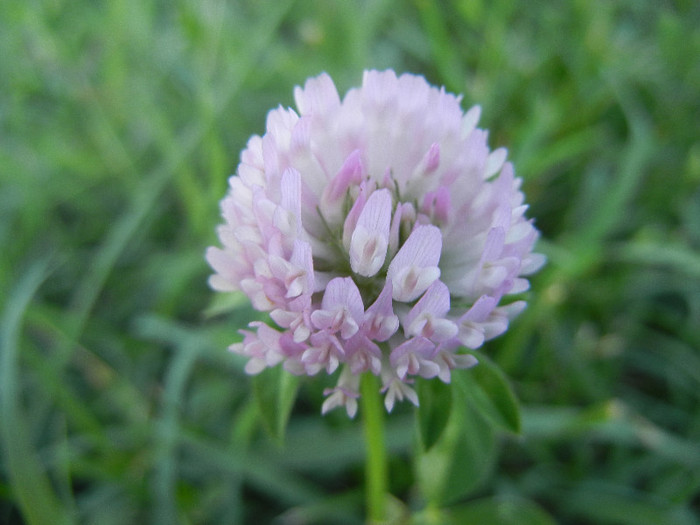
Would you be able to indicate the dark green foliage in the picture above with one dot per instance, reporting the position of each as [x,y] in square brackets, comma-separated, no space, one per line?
[119,124]
[486,388]
[462,459]
[275,391]
[434,412]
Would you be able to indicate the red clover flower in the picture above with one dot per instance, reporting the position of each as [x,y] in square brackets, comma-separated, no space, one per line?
[379,232]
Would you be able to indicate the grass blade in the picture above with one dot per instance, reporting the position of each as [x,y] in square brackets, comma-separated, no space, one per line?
[31,485]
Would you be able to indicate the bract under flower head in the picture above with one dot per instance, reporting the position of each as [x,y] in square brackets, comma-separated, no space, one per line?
[379,231]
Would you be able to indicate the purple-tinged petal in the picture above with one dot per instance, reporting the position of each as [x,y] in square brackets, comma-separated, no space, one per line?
[416,345]
[409,357]
[470,120]
[494,244]
[325,352]
[363,355]
[370,240]
[426,318]
[472,332]
[252,154]
[519,286]
[255,291]
[494,162]
[261,347]
[318,96]
[301,136]
[388,179]
[432,158]
[298,323]
[435,301]
[497,321]
[397,390]
[379,88]
[480,310]
[344,394]
[447,362]
[339,397]
[404,216]
[365,189]
[290,187]
[471,335]
[380,323]
[351,173]
[429,163]
[531,263]
[302,259]
[414,267]
[437,205]
[341,309]
[411,281]
[343,292]
[225,267]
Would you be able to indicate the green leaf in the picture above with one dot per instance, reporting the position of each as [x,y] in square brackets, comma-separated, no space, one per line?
[32,488]
[462,458]
[487,388]
[624,505]
[434,410]
[275,391]
[501,510]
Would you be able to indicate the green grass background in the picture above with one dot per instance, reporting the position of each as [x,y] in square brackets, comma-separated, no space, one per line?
[120,122]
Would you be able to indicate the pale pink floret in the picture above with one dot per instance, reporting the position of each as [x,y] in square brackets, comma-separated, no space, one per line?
[380,233]
[380,322]
[341,309]
[428,317]
[370,240]
[415,266]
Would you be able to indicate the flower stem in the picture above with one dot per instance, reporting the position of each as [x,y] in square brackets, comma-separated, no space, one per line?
[376,477]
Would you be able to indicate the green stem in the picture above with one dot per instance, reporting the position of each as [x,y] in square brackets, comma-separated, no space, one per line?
[376,471]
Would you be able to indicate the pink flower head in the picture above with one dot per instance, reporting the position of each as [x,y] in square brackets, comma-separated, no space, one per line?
[379,231]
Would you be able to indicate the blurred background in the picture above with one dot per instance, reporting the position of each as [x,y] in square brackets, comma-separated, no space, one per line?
[120,122]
